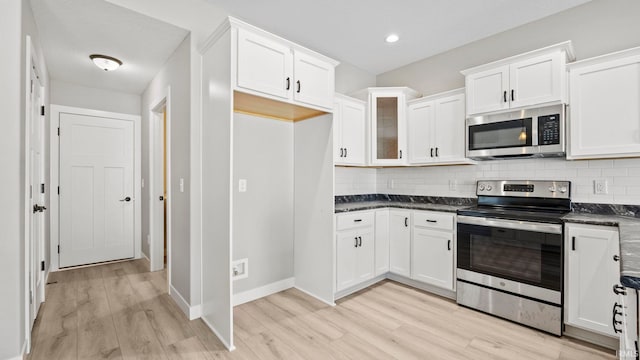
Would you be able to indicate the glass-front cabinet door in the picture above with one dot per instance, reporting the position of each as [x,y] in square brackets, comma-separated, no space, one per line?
[389,125]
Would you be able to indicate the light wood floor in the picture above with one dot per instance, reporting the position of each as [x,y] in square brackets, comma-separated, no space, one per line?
[121,311]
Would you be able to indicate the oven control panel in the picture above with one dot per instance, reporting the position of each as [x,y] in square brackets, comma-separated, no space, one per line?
[524,188]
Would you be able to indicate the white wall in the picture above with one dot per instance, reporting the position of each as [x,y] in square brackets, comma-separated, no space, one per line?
[68,94]
[263,216]
[176,75]
[350,78]
[597,27]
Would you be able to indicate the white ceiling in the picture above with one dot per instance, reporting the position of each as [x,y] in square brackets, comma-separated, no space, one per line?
[354,30]
[71,30]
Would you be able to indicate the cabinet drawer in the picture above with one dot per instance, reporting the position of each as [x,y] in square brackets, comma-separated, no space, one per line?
[433,220]
[354,220]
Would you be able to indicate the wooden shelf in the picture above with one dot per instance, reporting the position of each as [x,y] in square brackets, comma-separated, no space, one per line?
[255,105]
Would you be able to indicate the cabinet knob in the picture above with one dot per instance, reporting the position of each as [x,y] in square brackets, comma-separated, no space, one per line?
[619,289]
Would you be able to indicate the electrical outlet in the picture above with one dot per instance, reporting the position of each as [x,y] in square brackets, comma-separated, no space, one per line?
[453,185]
[242,185]
[240,269]
[181,184]
[600,187]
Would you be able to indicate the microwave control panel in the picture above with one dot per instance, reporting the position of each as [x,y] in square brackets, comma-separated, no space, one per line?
[549,129]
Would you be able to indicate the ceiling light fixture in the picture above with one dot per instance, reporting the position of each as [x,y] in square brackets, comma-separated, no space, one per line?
[392,38]
[104,62]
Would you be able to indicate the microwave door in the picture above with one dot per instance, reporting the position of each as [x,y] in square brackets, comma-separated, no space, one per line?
[503,138]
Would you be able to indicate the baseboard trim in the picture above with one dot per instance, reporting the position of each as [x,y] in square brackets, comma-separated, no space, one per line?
[229,347]
[591,337]
[348,291]
[330,303]
[192,312]
[23,352]
[449,294]
[266,290]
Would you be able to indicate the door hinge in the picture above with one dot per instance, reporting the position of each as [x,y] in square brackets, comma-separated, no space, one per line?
[42,110]
[58,249]
[42,188]
[42,265]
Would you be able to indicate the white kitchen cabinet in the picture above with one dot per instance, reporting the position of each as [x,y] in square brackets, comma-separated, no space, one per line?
[400,242]
[436,126]
[271,67]
[355,249]
[591,273]
[349,131]
[433,248]
[382,242]
[534,78]
[604,116]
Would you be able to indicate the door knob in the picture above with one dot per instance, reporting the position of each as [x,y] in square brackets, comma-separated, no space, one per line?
[127,199]
[161,198]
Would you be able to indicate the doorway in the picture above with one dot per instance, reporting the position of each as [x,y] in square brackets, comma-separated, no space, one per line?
[160,185]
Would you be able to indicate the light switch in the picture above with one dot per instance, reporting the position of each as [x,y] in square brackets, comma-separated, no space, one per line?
[181,185]
[142,184]
[242,185]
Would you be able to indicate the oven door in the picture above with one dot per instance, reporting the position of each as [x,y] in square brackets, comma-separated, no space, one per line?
[526,254]
[501,138]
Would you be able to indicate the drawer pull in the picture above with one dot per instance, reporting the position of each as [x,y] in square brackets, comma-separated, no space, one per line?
[357,220]
[432,221]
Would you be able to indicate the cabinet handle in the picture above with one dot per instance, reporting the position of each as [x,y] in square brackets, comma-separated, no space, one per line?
[449,245]
[513,97]
[288,83]
[437,152]
[573,243]
[616,258]
[431,152]
[360,244]
[615,322]
[345,152]
[432,221]
[619,289]
[504,96]
[356,245]
[341,152]
[400,154]
[406,222]
[357,220]
[298,82]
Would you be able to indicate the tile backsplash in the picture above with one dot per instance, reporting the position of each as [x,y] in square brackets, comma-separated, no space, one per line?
[622,177]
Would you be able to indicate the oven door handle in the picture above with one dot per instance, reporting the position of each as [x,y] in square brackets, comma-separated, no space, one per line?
[511,224]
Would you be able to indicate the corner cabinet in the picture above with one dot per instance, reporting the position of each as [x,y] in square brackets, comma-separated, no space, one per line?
[592,272]
[272,67]
[534,78]
[349,131]
[436,129]
[604,119]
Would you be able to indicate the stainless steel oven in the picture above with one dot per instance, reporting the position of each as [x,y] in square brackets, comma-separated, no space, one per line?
[510,252]
[525,133]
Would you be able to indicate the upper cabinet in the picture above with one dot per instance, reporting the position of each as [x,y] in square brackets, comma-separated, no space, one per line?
[534,78]
[604,119]
[269,66]
[349,131]
[388,124]
[436,127]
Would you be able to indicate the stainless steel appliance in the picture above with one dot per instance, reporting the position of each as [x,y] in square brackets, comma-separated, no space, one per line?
[510,251]
[538,132]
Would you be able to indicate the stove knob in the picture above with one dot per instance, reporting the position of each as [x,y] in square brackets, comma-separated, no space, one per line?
[481,187]
[489,188]
[563,189]
[552,189]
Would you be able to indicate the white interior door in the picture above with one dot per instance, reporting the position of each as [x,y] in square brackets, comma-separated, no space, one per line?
[157,193]
[96,189]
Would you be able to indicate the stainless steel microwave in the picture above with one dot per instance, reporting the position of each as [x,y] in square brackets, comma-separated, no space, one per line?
[538,132]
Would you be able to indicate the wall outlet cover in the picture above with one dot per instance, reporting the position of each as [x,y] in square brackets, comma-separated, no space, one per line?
[600,187]
[242,185]
[240,269]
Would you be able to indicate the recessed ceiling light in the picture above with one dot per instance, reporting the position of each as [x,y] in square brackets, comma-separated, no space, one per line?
[104,62]
[392,38]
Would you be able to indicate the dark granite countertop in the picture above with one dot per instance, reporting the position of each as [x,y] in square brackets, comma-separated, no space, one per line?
[369,205]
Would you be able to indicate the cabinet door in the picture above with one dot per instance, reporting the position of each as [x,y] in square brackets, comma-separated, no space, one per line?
[338,148]
[420,119]
[400,242]
[591,275]
[449,128]
[264,65]
[536,81]
[605,109]
[365,255]
[388,129]
[353,133]
[314,80]
[487,90]
[432,257]
[382,242]
[346,259]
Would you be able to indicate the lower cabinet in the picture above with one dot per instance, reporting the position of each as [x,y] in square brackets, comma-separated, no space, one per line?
[354,257]
[382,242]
[400,242]
[592,274]
[432,251]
